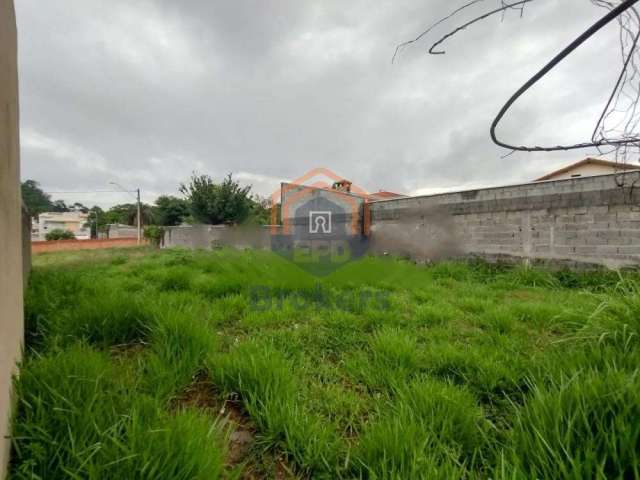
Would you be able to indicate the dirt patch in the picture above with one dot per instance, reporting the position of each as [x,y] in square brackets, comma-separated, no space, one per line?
[241,456]
[242,432]
[203,395]
[126,351]
[269,467]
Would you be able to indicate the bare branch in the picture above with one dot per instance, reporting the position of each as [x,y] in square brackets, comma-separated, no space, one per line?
[618,127]
[428,30]
[503,8]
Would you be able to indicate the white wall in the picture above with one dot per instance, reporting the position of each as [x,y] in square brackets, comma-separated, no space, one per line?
[587,170]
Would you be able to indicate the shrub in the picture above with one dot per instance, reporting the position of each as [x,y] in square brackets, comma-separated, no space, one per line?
[59,234]
[155,235]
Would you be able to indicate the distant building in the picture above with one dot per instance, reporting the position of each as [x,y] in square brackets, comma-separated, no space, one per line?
[75,222]
[588,167]
[343,185]
[384,195]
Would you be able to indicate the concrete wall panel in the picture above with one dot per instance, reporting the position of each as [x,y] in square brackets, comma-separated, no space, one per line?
[11,266]
[591,220]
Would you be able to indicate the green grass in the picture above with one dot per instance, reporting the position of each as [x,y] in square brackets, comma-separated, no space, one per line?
[382,370]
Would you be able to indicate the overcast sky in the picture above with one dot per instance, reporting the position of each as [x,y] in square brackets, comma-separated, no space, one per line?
[144,92]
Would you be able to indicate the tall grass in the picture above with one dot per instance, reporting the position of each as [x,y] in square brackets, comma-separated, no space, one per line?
[272,395]
[431,429]
[180,344]
[381,370]
[78,418]
[585,426]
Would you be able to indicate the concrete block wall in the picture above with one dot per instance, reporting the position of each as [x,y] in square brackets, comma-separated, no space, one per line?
[213,236]
[591,220]
[11,263]
[193,236]
[585,221]
[122,231]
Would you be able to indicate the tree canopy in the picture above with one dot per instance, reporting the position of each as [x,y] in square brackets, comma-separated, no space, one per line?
[126,213]
[170,210]
[216,203]
[36,200]
[205,201]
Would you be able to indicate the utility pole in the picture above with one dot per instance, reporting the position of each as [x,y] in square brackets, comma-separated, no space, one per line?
[139,222]
[139,208]
[96,222]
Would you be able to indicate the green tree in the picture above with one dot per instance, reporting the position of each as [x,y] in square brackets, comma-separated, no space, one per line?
[97,220]
[59,206]
[78,207]
[126,214]
[216,203]
[260,213]
[155,235]
[36,200]
[170,210]
[59,234]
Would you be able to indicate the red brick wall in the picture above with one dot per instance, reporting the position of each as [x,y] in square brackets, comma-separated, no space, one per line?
[58,245]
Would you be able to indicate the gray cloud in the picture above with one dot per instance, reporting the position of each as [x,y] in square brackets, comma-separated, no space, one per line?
[143,93]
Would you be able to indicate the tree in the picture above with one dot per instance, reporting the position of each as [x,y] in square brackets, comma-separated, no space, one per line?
[155,235]
[126,214]
[59,234]
[170,210]
[214,203]
[78,207]
[37,201]
[97,220]
[260,213]
[59,206]
[34,198]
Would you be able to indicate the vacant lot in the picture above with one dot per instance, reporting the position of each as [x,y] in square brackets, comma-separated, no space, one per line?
[180,365]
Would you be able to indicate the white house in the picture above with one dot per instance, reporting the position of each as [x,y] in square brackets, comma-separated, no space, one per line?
[588,167]
[76,222]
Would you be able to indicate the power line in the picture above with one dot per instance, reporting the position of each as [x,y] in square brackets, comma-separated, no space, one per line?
[92,191]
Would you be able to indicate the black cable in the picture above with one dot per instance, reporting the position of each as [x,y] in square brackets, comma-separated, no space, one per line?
[614,13]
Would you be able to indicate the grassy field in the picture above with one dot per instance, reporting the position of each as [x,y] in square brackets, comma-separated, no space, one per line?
[225,364]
